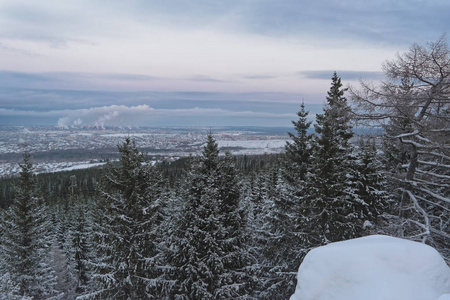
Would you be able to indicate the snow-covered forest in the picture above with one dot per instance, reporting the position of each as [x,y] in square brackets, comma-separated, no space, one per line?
[225,227]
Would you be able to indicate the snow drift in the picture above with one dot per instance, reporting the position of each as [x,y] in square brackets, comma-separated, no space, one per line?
[373,268]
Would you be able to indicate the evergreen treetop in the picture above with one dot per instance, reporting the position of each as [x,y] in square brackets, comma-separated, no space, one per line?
[26,240]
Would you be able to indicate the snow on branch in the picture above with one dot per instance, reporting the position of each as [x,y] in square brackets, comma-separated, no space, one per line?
[433,203]
[433,163]
[441,130]
[91,295]
[426,226]
[423,139]
[437,154]
[417,145]
[435,195]
[440,232]
[433,174]
[415,132]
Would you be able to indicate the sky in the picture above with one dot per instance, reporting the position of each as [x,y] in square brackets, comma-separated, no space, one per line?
[195,63]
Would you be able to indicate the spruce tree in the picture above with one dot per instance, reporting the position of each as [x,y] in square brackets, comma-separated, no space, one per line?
[282,249]
[25,248]
[331,211]
[370,184]
[79,246]
[256,203]
[126,228]
[282,246]
[298,150]
[206,250]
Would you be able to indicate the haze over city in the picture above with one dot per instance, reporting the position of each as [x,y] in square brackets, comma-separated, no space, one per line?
[195,63]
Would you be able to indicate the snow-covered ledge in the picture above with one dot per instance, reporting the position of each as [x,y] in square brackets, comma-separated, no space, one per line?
[373,268]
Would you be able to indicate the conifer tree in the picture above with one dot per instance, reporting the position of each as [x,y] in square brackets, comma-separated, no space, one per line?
[256,203]
[26,241]
[206,247]
[369,182]
[126,227]
[79,247]
[330,213]
[298,151]
[282,246]
[282,249]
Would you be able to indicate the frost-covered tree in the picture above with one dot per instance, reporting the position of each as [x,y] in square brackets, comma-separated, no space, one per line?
[298,150]
[26,242]
[282,246]
[78,247]
[369,184]
[205,249]
[285,188]
[413,107]
[126,229]
[330,212]
[256,204]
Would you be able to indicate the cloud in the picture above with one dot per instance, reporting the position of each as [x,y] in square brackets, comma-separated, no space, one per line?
[144,115]
[378,21]
[375,21]
[4,112]
[53,79]
[114,115]
[65,83]
[54,99]
[344,74]
[203,78]
[9,49]
[223,57]
[117,76]
[260,77]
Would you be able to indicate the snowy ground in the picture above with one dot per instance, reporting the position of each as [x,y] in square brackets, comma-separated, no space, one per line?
[238,147]
[253,147]
[373,268]
[12,169]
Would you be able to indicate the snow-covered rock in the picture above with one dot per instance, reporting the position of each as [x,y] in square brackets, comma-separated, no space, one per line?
[373,268]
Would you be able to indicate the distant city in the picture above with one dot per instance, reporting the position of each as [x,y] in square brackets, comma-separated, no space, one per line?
[61,148]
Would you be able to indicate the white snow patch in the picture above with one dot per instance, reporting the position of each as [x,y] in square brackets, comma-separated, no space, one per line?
[81,166]
[373,268]
[367,224]
[125,135]
[253,144]
[253,147]
[13,169]
[81,134]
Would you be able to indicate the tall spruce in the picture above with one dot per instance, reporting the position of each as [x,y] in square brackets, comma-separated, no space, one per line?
[282,246]
[330,212]
[126,227]
[25,248]
[298,150]
[206,250]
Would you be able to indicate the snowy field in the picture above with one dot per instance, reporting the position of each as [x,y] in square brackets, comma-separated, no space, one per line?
[373,268]
[241,147]
[127,135]
[253,147]
[12,169]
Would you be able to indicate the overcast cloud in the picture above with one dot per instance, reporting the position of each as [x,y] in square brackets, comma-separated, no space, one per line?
[175,62]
